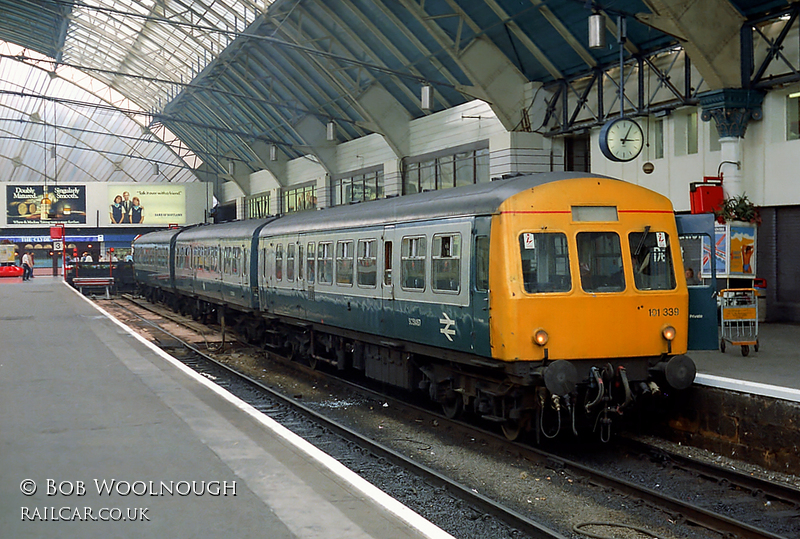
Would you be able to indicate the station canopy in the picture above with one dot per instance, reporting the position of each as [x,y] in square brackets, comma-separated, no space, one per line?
[176,90]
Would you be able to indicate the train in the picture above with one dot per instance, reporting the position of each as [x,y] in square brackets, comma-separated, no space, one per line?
[542,303]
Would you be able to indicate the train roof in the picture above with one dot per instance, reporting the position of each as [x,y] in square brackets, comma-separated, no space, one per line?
[232,229]
[159,236]
[470,200]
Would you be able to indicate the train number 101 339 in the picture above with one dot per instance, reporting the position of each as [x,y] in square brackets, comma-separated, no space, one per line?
[665,311]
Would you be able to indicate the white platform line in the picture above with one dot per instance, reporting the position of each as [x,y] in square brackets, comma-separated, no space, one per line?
[743,386]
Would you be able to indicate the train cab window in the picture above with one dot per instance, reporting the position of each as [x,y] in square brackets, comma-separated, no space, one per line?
[367,263]
[600,260]
[279,262]
[446,263]
[482,263]
[412,262]
[545,262]
[387,263]
[344,263]
[290,250]
[651,259]
[325,263]
[311,263]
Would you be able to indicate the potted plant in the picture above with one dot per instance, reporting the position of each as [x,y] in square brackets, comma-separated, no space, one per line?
[738,208]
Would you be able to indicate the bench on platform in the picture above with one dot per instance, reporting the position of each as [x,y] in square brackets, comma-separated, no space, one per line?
[94,282]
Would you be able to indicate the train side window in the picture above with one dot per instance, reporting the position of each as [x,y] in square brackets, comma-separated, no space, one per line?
[600,260]
[279,262]
[262,262]
[367,263]
[545,262]
[299,261]
[235,260]
[651,258]
[312,257]
[482,263]
[325,263]
[344,262]
[412,262]
[290,250]
[446,263]
[387,263]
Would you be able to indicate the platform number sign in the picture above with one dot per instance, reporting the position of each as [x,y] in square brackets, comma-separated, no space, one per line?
[58,245]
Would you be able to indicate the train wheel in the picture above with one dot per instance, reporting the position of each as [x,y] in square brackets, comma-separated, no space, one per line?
[511,429]
[745,350]
[452,408]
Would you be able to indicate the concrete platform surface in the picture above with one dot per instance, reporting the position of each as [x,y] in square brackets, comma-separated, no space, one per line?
[773,371]
[102,435]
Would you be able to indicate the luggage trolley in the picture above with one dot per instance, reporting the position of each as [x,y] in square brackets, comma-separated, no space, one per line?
[739,318]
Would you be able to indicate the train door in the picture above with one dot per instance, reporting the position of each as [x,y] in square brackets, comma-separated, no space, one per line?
[480,289]
[387,278]
[700,269]
[265,284]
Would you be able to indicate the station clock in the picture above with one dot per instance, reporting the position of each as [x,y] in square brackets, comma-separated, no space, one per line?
[621,139]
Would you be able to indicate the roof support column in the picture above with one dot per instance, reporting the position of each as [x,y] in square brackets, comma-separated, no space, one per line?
[731,109]
[389,118]
[314,133]
[709,31]
[495,80]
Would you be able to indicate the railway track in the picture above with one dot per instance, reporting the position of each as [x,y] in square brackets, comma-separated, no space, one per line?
[285,409]
[775,521]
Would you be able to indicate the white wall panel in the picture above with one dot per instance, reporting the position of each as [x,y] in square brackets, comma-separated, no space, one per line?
[368,151]
[471,122]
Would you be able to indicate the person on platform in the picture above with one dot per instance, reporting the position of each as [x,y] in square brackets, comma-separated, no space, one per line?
[691,278]
[27,268]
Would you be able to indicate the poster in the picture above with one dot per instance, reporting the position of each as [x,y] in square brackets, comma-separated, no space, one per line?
[734,249]
[743,246]
[27,204]
[151,205]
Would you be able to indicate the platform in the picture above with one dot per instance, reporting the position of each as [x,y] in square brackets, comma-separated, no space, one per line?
[104,435]
[773,371]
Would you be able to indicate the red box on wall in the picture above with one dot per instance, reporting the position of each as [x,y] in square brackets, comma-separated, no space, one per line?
[56,232]
[706,196]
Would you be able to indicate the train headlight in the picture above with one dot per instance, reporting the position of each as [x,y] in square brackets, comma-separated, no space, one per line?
[540,337]
[668,333]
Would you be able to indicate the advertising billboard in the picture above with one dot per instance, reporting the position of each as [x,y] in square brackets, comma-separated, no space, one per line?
[27,204]
[151,205]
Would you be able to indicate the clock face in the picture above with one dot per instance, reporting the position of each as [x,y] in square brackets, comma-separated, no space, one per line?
[621,139]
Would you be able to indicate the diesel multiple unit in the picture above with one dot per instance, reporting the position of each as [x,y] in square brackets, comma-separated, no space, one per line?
[532,302]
